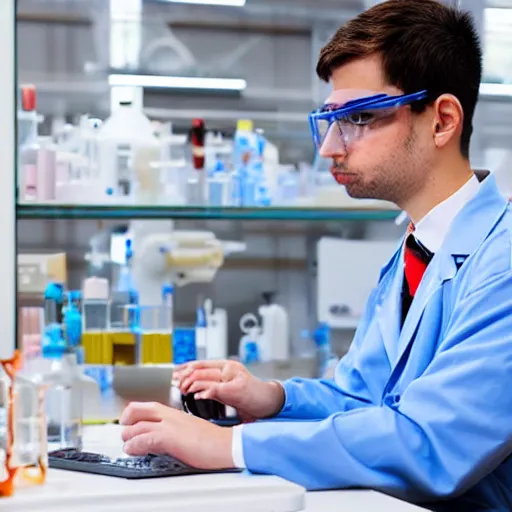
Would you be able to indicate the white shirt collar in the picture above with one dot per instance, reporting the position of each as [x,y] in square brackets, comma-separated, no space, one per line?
[433,228]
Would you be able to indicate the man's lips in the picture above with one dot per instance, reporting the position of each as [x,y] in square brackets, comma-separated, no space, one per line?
[341,177]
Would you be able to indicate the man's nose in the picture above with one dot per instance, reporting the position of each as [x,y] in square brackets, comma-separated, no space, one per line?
[334,144]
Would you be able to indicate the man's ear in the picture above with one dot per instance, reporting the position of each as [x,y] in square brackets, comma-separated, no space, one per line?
[448,119]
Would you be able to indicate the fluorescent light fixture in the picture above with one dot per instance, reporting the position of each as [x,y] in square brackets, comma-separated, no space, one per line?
[497,90]
[229,3]
[177,82]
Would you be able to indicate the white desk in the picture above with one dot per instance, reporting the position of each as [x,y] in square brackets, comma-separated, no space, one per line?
[355,501]
[66,490]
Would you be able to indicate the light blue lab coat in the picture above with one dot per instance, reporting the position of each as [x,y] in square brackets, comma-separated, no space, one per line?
[423,411]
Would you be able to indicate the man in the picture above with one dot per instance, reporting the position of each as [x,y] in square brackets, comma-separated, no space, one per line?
[420,407]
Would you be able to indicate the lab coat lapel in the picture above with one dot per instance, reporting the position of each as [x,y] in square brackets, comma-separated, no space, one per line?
[441,269]
[467,232]
[389,306]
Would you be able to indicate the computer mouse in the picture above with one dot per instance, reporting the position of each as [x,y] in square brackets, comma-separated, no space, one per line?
[205,409]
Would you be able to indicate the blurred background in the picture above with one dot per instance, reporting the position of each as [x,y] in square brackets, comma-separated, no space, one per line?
[238,75]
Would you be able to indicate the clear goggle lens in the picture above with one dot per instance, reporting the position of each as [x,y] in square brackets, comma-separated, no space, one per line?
[344,119]
[348,128]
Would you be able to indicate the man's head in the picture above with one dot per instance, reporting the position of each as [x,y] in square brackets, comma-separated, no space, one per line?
[403,47]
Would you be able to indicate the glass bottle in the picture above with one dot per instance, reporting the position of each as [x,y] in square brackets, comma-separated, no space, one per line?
[64,401]
[8,369]
[29,452]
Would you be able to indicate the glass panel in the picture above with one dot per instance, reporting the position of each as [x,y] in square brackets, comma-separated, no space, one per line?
[498,44]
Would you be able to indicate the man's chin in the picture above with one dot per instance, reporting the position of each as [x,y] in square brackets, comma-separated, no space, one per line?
[358,193]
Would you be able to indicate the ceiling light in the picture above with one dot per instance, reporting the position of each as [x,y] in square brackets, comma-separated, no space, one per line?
[230,3]
[496,90]
[177,82]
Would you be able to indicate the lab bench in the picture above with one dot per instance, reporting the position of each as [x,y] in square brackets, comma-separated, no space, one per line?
[66,490]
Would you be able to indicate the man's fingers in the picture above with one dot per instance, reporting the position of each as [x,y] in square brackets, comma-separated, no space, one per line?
[229,371]
[131,431]
[141,411]
[205,375]
[201,386]
[183,371]
[143,444]
[209,393]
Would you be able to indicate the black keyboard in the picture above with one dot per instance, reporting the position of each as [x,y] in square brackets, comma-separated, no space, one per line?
[150,466]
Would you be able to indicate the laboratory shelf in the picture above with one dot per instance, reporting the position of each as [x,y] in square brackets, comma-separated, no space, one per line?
[48,211]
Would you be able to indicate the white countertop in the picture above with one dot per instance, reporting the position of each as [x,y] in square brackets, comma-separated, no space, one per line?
[230,492]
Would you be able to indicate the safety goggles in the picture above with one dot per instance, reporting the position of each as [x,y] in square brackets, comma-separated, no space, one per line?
[343,119]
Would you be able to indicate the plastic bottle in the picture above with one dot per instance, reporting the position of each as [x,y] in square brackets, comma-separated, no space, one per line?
[275,338]
[28,145]
[28,155]
[201,333]
[249,345]
[168,303]
[46,165]
[249,351]
[245,149]
[73,324]
[128,151]
[64,401]
[219,186]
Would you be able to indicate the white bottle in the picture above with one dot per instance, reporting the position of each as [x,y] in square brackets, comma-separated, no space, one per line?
[274,341]
[217,328]
[128,152]
[46,166]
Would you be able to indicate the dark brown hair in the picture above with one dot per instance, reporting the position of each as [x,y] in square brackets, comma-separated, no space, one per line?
[424,45]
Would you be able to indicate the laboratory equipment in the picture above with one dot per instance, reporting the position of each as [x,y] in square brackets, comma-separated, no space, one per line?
[64,401]
[155,259]
[249,346]
[342,296]
[8,369]
[217,331]
[275,330]
[22,427]
[184,345]
[327,361]
[31,328]
[27,143]
[197,195]
[162,255]
[95,304]
[72,318]
[29,453]
[149,466]
[201,332]
[46,164]
[129,153]
[245,151]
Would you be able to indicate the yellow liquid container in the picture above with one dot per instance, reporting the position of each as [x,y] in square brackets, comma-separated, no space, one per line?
[119,348]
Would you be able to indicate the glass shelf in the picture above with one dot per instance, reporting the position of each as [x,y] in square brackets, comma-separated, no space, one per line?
[47,211]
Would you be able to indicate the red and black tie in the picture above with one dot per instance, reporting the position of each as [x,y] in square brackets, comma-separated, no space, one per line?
[416,260]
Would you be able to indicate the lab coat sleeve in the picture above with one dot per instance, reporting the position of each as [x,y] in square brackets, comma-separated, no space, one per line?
[449,429]
[315,399]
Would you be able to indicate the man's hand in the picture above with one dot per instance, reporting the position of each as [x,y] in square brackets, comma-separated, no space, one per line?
[230,383]
[155,428]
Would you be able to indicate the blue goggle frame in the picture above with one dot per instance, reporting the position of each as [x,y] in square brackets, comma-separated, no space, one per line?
[330,113]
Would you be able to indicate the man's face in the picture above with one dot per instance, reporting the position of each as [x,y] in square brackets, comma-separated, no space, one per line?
[391,160]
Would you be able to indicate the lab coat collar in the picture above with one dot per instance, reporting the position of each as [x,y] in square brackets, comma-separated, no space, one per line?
[468,230]
[474,222]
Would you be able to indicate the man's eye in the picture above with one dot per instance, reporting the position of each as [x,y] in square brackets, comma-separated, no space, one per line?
[360,119]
